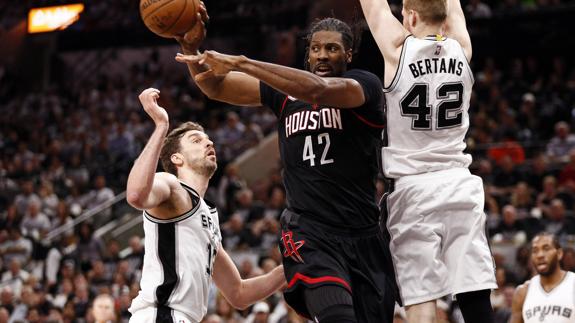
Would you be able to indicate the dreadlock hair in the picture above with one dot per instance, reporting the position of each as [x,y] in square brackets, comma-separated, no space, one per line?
[349,36]
[171,145]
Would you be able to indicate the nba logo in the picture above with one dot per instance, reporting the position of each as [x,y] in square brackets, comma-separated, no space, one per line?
[437,50]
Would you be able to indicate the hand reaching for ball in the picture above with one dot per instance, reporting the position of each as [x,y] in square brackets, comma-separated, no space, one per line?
[192,39]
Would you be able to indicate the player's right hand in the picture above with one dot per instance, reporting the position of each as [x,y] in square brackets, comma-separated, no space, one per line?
[192,39]
[149,98]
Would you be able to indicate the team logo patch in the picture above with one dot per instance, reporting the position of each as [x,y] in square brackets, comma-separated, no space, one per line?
[438,50]
[291,247]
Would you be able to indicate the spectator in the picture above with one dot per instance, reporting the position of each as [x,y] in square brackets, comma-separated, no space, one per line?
[477,9]
[563,142]
[103,309]
[35,222]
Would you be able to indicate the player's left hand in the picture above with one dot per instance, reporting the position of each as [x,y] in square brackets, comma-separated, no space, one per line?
[220,63]
[192,39]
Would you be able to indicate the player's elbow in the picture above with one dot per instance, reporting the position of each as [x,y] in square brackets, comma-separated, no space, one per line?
[135,199]
[237,301]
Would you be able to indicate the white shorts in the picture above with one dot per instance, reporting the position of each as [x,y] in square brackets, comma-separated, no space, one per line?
[148,315]
[438,243]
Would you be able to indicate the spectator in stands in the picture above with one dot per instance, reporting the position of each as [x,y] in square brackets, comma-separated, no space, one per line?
[567,174]
[477,9]
[562,143]
[522,199]
[135,258]
[234,234]
[89,248]
[100,194]
[506,175]
[537,171]
[25,197]
[568,260]
[559,221]
[35,222]
[15,277]
[103,309]
[17,247]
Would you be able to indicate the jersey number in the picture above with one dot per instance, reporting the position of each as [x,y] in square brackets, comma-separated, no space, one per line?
[449,114]
[211,257]
[308,153]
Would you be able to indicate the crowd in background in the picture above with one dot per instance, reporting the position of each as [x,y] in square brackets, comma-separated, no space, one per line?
[69,148]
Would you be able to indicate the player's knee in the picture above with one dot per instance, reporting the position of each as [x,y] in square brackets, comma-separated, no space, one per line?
[330,303]
[336,314]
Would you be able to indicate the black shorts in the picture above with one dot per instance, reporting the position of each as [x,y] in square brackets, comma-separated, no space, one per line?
[358,260]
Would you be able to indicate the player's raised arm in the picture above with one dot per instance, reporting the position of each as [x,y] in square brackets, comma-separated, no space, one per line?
[387,31]
[517,304]
[241,293]
[145,188]
[456,28]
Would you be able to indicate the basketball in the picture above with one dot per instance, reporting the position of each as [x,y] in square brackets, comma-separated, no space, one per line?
[168,18]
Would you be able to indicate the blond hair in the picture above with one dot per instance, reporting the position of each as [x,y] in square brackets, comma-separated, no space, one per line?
[430,11]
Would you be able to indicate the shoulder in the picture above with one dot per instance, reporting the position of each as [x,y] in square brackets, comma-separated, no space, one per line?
[362,75]
[521,293]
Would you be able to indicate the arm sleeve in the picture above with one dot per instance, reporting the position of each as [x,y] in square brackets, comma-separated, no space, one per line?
[272,98]
[372,109]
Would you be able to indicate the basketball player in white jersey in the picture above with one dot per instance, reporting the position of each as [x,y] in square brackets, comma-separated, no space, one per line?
[182,236]
[550,296]
[435,206]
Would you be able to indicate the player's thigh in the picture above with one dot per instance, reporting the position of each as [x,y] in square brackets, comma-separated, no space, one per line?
[416,243]
[467,252]
[373,280]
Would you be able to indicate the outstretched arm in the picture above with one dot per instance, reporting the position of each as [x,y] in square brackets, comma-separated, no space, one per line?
[146,189]
[456,28]
[388,32]
[241,293]
[233,88]
[303,85]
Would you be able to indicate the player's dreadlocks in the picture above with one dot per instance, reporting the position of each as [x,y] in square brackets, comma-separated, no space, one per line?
[349,37]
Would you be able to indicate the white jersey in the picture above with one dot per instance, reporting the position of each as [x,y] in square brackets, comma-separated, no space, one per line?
[178,261]
[556,306]
[426,111]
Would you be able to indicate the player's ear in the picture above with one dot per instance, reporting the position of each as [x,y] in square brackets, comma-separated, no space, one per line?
[177,159]
[348,56]
[559,254]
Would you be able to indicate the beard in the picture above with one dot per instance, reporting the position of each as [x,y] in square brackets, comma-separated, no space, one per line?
[550,269]
[204,167]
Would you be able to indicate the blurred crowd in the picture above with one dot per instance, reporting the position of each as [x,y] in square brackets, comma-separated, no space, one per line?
[69,148]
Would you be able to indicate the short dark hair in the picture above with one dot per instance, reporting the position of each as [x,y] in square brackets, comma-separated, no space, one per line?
[171,145]
[350,37]
[553,237]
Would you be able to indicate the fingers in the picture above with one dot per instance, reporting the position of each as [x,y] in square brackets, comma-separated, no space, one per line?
[203,13]
[188,58]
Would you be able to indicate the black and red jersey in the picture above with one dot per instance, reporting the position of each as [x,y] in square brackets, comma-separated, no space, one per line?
[330,154]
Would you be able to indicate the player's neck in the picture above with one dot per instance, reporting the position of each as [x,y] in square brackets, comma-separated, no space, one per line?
[424,30]
[197,182]
[551,281]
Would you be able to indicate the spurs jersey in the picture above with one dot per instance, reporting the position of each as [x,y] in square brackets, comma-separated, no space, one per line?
[178,261]
[427,105]
[556,306]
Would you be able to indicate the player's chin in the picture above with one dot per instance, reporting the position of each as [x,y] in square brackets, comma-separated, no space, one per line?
[324,73]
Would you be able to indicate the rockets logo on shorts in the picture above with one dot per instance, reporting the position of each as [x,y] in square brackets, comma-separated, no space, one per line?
[291,247]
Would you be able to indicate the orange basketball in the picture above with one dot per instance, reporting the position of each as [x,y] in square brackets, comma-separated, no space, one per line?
[168,18]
